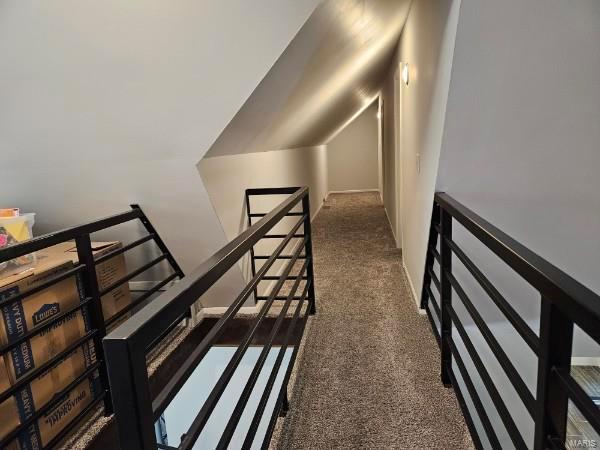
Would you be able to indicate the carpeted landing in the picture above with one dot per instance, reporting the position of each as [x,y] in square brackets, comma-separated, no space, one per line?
[369,374]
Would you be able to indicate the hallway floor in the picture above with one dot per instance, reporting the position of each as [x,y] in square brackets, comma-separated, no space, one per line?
[369,375]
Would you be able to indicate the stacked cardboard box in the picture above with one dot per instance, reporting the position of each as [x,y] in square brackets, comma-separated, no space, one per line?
[23,315]
[41,390]
[107,272]
[10,420]
[52,422]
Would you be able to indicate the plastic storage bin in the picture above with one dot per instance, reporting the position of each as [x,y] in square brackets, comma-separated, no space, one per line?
[13,230]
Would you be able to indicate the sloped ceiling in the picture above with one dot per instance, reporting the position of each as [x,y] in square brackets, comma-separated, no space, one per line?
[331,70]
[107,103]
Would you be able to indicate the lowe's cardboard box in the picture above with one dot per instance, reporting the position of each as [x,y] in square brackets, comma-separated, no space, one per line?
[20,316]
[9,420]
[45,345]
[23,315]
[47,427]
[107,272]
[33,396]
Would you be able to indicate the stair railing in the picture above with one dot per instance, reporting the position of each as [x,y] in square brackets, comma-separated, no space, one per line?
[90,306]
[126,347]
[564,304]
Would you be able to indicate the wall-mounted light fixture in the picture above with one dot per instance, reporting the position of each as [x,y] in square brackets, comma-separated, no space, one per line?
[405,73]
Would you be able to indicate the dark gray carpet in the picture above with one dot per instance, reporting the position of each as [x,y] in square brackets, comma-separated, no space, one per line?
[369,376]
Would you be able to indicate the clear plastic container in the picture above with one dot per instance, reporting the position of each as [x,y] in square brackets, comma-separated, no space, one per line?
[14,230]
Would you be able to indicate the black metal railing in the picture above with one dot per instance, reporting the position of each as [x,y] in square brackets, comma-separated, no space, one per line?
[90,306]
[125,348]
[564,304]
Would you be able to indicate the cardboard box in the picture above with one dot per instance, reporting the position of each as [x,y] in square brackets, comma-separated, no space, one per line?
[9,418]
[24,315]
[54,421]
[21,316]
[42,347]
[107,272]
[42,389]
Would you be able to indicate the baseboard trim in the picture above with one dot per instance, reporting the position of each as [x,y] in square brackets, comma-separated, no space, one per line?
[412,290]
[352,191]
[585,361]
[391,226]
[318,210]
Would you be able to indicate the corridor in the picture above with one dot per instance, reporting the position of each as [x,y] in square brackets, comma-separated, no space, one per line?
[369,375]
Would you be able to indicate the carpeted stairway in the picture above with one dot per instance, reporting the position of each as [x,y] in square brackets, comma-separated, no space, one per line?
[369,373]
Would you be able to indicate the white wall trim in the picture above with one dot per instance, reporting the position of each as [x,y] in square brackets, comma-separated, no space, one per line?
[391,227]
[412,290]
[352,191]
[314,216]
[585,361]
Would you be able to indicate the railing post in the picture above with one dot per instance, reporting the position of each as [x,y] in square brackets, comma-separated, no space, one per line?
[91,289]
[435,218]
[309,254]
[159,242]
[126,364]
[252,259]
[285,404]
[164,249]
[445,296]
[556,343]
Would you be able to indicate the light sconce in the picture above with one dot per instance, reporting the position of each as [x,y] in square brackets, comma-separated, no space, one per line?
[405,73]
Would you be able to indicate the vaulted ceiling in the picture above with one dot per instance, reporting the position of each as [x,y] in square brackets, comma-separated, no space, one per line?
[331,70]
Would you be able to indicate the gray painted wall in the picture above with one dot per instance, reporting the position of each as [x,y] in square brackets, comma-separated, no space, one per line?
[108,103]
[426,44]
[388,121]
[521,148]
[352,154]
[521,137]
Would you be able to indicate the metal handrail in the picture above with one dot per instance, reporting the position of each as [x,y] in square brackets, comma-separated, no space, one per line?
[67,234]
[564,303]
[580,302]
[89,305]
[125,347]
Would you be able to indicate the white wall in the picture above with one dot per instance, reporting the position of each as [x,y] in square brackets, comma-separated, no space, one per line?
[107,103]
[521,139]
[426,44]
[352,154]
[521,148]
[388,152]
